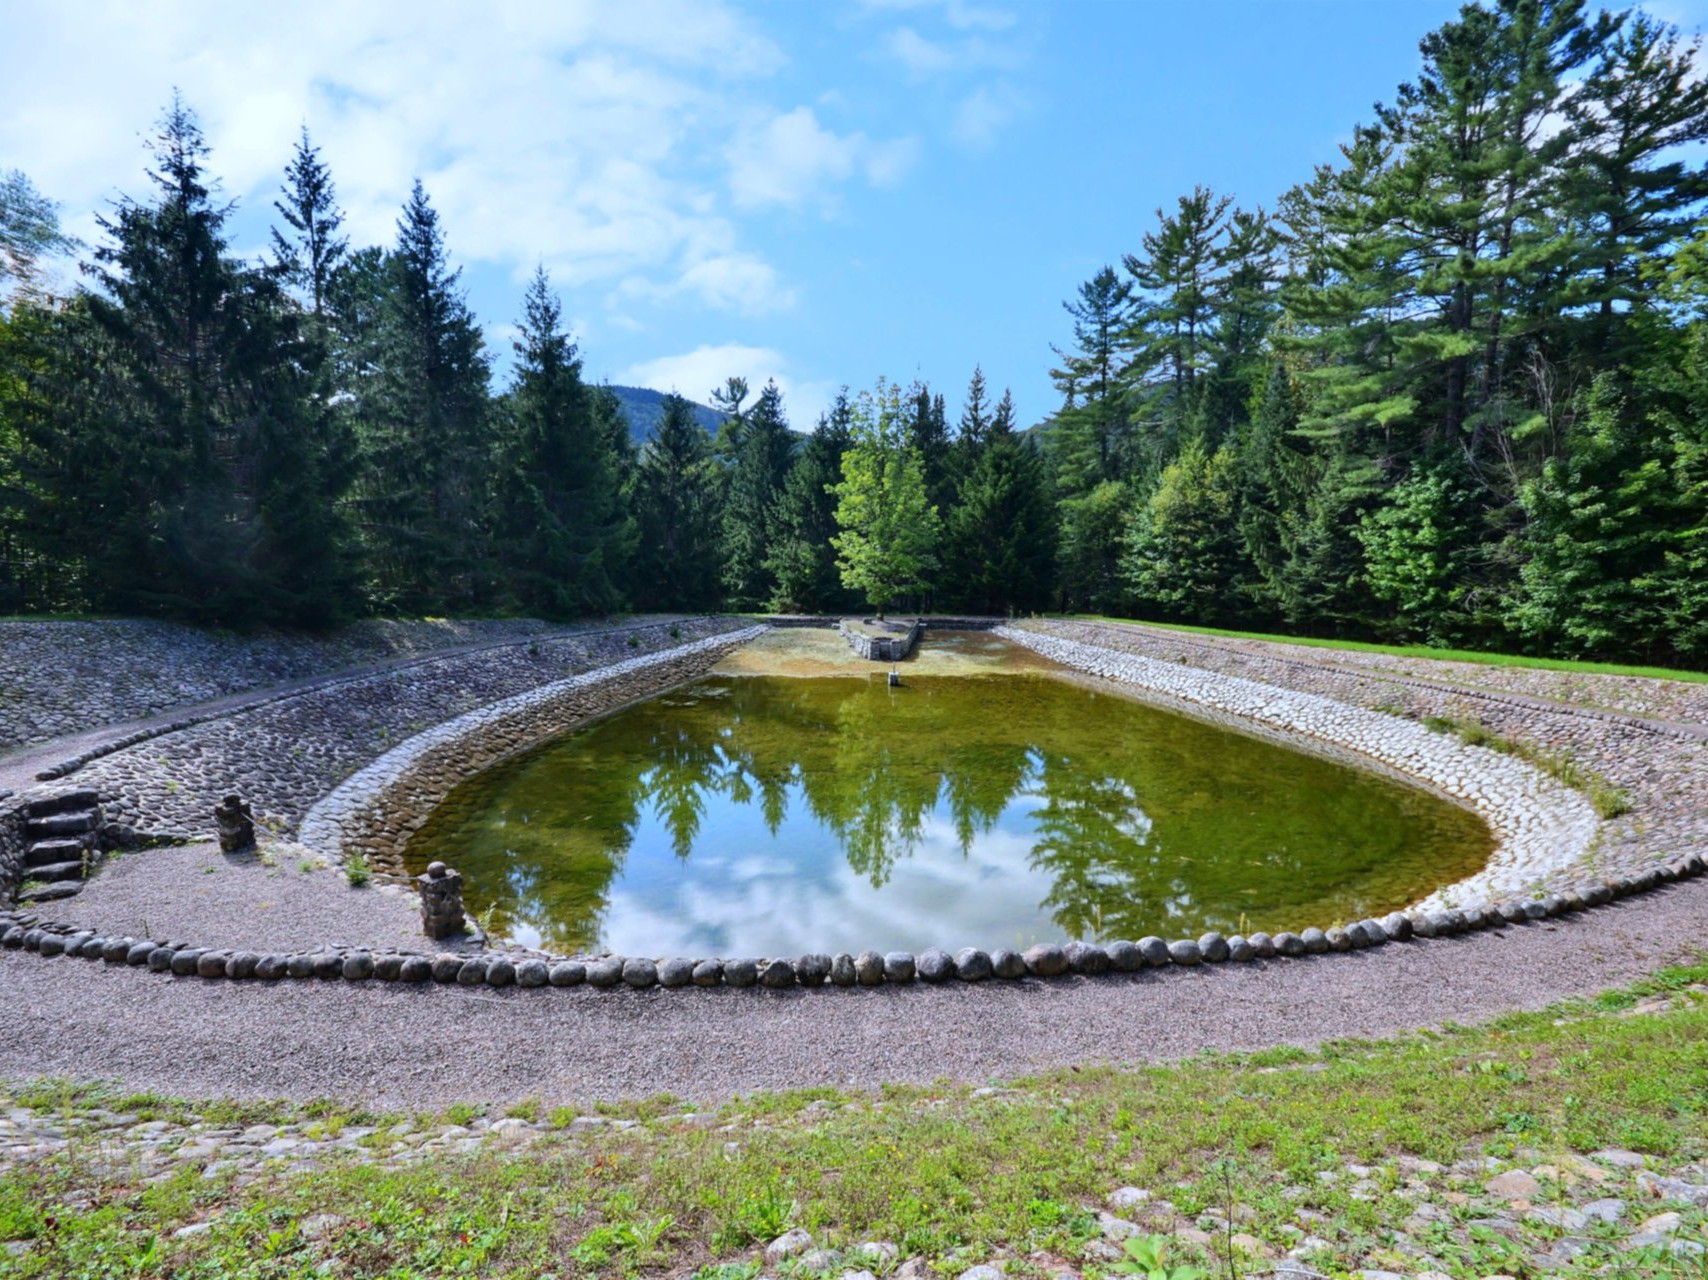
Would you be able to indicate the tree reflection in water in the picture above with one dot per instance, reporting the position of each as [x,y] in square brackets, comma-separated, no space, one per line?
[1127,820]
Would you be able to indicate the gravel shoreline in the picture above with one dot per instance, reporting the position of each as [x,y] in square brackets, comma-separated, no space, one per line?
[391,1045]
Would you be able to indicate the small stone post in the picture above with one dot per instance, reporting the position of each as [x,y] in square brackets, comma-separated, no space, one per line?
[236,825]
[441,901]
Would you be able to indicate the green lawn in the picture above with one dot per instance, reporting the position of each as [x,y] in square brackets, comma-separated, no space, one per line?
[1419,651]
[951,1177]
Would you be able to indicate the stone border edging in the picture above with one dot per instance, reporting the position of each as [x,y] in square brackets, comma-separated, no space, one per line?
[28,932]
[1541,826]
[1225,694]
[366,797]
[72,764]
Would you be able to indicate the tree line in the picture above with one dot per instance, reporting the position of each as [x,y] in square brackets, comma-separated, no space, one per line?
[314,437]
[1453,387]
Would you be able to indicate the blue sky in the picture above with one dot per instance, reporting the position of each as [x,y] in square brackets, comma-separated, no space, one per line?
[818,191]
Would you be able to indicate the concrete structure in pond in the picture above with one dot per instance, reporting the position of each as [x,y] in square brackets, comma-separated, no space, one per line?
[882,640]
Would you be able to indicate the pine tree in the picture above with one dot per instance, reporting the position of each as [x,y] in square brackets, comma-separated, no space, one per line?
[1092,438]
[676,506]
[559,524]
[309,255]
[422,425]
[756,478]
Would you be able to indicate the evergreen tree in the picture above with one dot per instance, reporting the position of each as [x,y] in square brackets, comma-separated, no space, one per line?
[756,478]
[196,445]
[422,428]
[800,557]
[1001,536]
[559,523]
[308,255]
[1182,555]
[1091,442]
[1595,548]
[676,507]
[29,231]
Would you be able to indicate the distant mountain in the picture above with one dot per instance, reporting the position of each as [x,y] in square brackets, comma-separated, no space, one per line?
[644,408]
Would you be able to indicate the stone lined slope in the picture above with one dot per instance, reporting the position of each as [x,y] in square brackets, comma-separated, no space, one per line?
[60,678]
[288,753]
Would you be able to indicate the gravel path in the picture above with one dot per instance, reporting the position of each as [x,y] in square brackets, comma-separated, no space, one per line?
[195,891]
[391,1045]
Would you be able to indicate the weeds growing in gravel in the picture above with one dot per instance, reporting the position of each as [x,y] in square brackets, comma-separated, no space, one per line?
[1606,799]
[356,871]
[946,1174]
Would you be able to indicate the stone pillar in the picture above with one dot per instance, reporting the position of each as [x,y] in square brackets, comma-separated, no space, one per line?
[441,901]
[236,825]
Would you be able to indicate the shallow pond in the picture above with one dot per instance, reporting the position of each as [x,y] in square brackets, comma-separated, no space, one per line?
[764,815]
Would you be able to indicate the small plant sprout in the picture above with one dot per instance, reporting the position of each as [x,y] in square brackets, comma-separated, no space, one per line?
[1146,1257]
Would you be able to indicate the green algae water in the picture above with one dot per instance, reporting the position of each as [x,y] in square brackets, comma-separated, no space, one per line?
[766,815]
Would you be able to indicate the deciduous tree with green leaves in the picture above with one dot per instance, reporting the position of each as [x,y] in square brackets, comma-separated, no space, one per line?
[887,527]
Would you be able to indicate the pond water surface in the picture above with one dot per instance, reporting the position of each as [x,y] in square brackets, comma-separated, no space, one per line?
[769,815]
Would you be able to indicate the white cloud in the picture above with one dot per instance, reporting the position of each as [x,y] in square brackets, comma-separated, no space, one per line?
[588,136]
[959,14]
[790,159]
[982,115]
[694,374]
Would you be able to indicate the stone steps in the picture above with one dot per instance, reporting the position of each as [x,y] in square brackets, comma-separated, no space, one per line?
[76,823]
[85,798]
[51,892]
[52,871]
[61,834]
[46,852]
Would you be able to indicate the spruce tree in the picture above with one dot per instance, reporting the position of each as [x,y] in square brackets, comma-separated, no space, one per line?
[1001,533]
[676,506]
[800,558]
[558,519]
[198,437]
[422,425]
[307,257]
[755,484]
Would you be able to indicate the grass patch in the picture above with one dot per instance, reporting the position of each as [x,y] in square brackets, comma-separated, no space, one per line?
[1606,799]
[1479,656]
[944,1175]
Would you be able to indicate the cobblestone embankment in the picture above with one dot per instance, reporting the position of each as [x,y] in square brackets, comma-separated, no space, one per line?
[287,754]
[375,811]
[1662,770]
[62,678]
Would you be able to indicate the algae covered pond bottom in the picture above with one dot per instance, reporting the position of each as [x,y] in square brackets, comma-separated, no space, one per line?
[766,815]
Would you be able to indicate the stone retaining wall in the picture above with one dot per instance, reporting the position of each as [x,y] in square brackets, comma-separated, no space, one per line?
[374,812]
[879,648]
[1542,829]
[59,678]
[287,753]
[1664,771]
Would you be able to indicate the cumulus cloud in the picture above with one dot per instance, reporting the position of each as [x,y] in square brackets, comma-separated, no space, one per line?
[587,136]
[982,114]
[790,158]
[694,374]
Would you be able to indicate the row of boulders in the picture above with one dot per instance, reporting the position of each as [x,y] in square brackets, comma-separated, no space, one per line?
[870,968]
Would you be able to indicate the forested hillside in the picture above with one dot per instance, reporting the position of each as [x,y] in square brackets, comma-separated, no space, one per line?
[1452,386]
